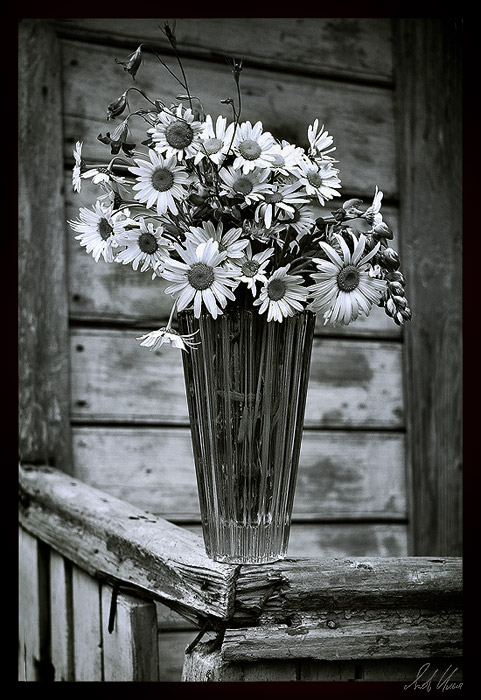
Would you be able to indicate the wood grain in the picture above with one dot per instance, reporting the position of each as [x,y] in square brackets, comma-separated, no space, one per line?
[341,474]
[352,383]
[61,617]
[44,432]
[356,48]
[428,60]
[87,627]
[361,121]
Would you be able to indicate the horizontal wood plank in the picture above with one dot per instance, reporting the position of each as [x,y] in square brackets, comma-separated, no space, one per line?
[117,293]
[357,48]
[113,540]
[341,474]
[352,383]
[285,104]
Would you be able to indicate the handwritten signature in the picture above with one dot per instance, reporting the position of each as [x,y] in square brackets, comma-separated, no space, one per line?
[422,682]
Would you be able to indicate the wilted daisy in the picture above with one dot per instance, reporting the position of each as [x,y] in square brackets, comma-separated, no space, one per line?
[200,278]
[160,182]
[344,289]
[280,201]
[77,168]
[251,268]
[144,246]
[168,335]
[176,133]
[229,241]
[252,186]
[215,141]
[319,141]
[319,180]
[99,230]
[282,295]
[251,146]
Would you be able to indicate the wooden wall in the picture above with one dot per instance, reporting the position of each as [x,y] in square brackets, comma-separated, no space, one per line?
[128,414]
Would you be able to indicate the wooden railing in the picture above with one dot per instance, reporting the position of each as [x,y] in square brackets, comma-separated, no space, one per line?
[92,567]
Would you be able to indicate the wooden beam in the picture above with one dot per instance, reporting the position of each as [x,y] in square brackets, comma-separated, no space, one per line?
[111,539]
[44,410]
[428,92]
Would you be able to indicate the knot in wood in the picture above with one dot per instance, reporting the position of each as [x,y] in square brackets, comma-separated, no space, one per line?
[331,624]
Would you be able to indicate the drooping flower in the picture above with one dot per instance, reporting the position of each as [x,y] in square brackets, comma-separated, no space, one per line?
[176,133]
[160,182]
[77,168]
[118,140]
[167,334]
[251,146]
[145,246]
[319,141]
[344,289]
[251,186]
[282,295]
[99,230]
[251,268]
[199,278]
[215,141]
[133,62]
[319,180]
[229,241]
[281,201]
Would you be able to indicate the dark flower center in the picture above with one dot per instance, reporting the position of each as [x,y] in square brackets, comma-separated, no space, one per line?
[179,134]
[212,146]
[147,243]
[276,289]
[273,198]
[200,275]
[348,278]
[314,178]
[250,268]
[243,185]
[250,150]
[162,179]
[105,229]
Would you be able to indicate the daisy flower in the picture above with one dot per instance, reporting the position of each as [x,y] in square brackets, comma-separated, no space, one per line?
[281,295]
[251,146]
[344,288]
[176,133]
[284,157]
[251,268]
[200,278]
[302,220]
[215,141]
[319,141]
[99,230]
[319,180]
[280,201]
[168,335]
[228,241]
[251,186]
[144,245]
[160,182]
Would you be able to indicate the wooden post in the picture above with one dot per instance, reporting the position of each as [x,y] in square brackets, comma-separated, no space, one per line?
[428,93]
[44,395]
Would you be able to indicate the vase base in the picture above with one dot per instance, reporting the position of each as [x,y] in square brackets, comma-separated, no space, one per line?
[235,543]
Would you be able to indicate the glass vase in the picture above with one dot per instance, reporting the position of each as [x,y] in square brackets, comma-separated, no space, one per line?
[246,386]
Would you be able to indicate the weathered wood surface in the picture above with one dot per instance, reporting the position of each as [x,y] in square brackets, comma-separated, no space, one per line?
[61,617]
[30,624]
[285,104]
[112,539]
[428,60]
[352,383]
[117,293]
[357,48]
[87,626]
[341,474]
[43,350]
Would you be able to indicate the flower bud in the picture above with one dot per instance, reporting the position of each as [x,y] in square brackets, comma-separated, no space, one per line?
[391,258]
[382,230]
[132,65]
[391,309]
[321,224]
[398,318]
[339,214]
[406,313]
[396,276]
[399,301]
[396,288]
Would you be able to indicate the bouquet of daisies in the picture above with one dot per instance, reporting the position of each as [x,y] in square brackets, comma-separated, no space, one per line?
[226,213]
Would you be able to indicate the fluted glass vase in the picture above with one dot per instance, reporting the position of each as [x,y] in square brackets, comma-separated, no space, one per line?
[246,387]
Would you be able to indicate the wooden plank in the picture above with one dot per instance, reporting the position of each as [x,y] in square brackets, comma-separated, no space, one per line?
[286,104]
[341,474]
[44,429]
[352,383]
[108,292]
[29,607]
[363,539]
[130,650]
[357,48]
[61,616]
[87,630]
[428,60]
[327,670]
[112,539]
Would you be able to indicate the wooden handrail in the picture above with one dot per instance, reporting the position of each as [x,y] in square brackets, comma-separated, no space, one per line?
[333,608]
